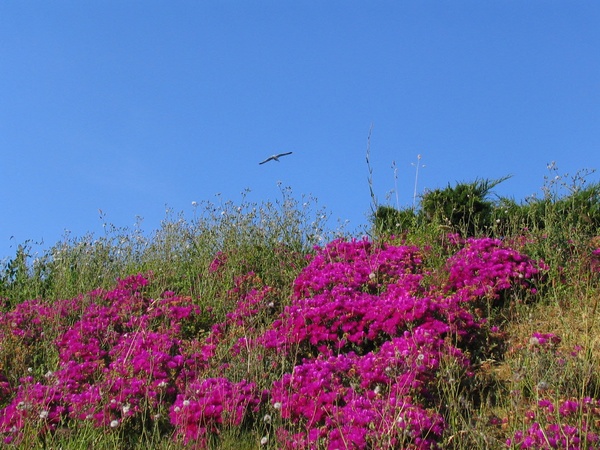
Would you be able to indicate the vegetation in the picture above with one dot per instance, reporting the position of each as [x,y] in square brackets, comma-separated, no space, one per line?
[469,322]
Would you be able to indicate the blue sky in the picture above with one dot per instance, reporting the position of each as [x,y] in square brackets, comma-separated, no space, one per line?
[135,106]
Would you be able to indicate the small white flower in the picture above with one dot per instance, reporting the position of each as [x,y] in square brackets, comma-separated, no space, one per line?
[264,440]
[377,390]
[43,414]
[277,405]
[114,424]
[371,276]
[48,374]
[126,408]
[267,418]
[29,369]
[543,385]
[186,403]
[177,409]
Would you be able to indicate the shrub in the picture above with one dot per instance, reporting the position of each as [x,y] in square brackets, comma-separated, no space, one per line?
[465,207]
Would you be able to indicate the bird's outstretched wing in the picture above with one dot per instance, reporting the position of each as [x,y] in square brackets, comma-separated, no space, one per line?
[275,157]
[267,160]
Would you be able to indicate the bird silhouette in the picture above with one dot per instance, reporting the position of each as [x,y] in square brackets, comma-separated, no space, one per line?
[275,157]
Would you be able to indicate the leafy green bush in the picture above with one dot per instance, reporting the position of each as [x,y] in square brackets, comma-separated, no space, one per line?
[578,210]
[465,207]
[391,221]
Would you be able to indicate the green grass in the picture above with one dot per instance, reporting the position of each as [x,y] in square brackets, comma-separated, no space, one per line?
[270,239]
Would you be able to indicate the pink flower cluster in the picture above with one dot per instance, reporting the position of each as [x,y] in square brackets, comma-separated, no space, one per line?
[570,424]
[486,268]
[352,296]
[218,263]
[595,261]
[546,341]
[364,400]
[206,405]
[127,359]
[372,333]
[359,265]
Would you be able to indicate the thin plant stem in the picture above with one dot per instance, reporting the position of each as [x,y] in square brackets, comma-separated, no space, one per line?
[416,181]
[370,179]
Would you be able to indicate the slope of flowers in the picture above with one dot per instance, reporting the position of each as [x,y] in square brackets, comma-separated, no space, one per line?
[359,344]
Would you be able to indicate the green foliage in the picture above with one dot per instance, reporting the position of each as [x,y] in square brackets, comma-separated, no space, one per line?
[559,228]
[20,280]
[578,210]
[465,207]
[270,239]
[390,221]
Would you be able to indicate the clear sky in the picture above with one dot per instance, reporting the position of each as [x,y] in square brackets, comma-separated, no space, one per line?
[135,106]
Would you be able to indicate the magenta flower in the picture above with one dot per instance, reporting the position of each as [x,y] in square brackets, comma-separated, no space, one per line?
[207,405]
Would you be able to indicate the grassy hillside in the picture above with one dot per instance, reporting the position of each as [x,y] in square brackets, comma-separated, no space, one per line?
[469,322]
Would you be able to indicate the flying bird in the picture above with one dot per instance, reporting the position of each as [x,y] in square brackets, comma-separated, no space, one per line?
[275,157]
